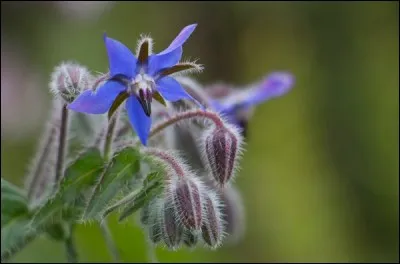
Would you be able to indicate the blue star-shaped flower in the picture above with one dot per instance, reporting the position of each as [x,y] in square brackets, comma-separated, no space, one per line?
[138,80]
[231,106]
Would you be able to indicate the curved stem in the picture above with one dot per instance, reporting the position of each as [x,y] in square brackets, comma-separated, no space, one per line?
[187,115]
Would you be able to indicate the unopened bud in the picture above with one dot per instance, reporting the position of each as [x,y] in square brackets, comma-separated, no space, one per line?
[184,189]
[190,238]
[187,199]
[68,80]
[233,214]
[145,214]
[155,232]
[222,150]
[172,231]
[213,226]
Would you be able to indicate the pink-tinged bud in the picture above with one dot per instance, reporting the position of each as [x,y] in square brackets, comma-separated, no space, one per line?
[233,214]
[222,148]
[187,199]
[183,189]
[172,231]
[212,229]
[68,80]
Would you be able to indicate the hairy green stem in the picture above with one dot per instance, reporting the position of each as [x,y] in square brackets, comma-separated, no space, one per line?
[151,253]
[109,136]
[112,247]
[62,143]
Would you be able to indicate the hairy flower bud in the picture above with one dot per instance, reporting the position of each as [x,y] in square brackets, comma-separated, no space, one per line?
[213,226]
[184,190]
[222,147]
[187,200]
[233,213]
[68,80]
[145,214]
[172,231]
[190,238]
[154,227]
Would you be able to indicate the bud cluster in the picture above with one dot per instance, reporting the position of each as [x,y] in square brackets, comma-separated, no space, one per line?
[186,212]
[219,149]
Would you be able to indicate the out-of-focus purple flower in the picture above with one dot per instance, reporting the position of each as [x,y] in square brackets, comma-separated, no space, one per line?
[274,85]
[139,80]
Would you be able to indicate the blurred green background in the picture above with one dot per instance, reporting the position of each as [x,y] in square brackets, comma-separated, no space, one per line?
[319,178]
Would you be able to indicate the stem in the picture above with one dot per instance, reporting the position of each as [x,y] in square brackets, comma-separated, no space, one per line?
[187,115]
[104,225]
[109,241]
[72,256]
[151,253]
[109,136]
[62,143]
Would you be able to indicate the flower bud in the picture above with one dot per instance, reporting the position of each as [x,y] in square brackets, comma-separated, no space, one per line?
[222,150]
[213,226]
[187,200]
[184,190]
[190,238]
[68,80]
[145,214]
[172,231]
[155,232]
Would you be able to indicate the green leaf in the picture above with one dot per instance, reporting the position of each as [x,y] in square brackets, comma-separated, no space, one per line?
[15,235]
[80,177]
[122,167]
[152,187]
[13,202]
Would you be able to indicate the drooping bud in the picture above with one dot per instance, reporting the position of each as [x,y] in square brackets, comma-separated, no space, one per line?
[187,199]
[154,223]
[172,231]
[68,80]
[190,238]
[212,229]
[222,148]
[183,189]
[233,213]
[145,214]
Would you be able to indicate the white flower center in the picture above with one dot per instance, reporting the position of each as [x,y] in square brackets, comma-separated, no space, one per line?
[142,82]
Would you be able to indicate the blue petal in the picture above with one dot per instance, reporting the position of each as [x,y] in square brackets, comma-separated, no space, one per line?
[99,101]
[120,58]
[275,85]
[140,122]
[180,39]
[171,55]
[159,62]
[171,90]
